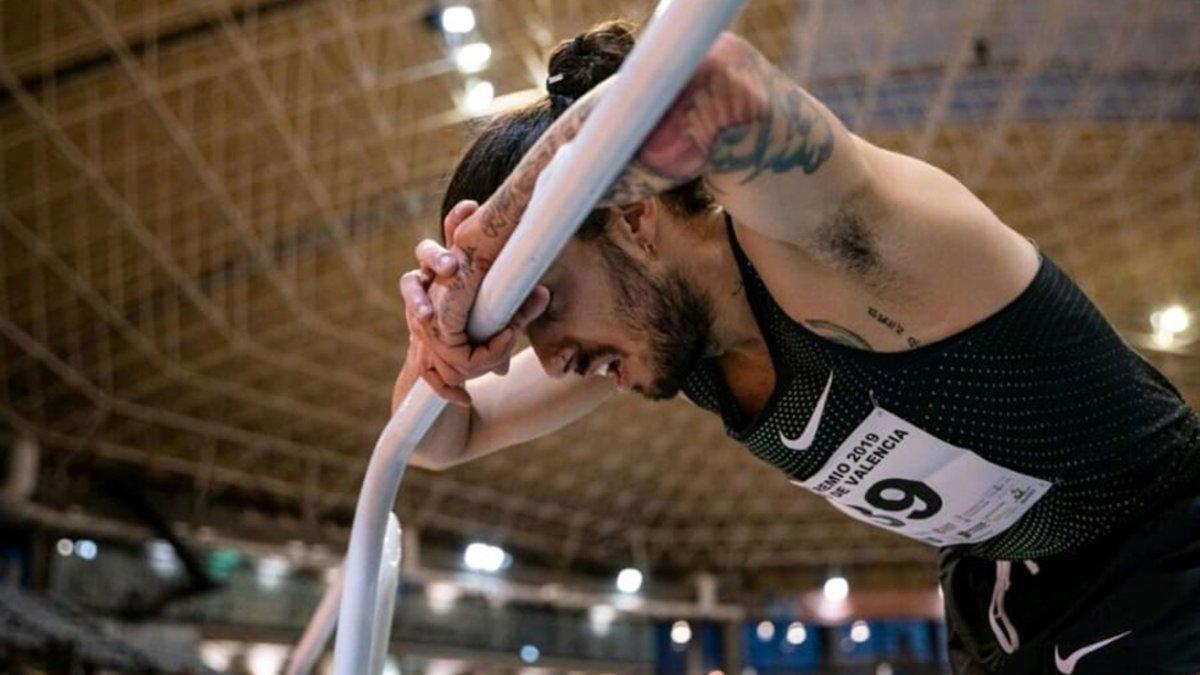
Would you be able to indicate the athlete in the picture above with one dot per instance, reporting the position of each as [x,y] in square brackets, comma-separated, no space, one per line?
[858,319]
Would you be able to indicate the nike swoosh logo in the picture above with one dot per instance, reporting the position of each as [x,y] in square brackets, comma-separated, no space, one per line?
[805,440]
[1067,666]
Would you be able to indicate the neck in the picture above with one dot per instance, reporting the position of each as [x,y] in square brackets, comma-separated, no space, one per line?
[708,263]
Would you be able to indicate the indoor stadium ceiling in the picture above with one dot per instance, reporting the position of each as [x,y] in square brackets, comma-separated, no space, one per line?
[205,206]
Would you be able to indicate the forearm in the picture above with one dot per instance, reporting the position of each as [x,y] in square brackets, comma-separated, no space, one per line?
[504,411]
[447,439]
[739,122]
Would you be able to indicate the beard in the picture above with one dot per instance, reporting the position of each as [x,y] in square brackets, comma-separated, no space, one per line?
[673,319]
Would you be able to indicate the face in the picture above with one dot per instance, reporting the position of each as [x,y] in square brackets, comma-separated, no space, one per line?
[616,312]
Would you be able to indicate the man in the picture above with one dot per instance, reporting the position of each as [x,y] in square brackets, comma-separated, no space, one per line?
[858,319]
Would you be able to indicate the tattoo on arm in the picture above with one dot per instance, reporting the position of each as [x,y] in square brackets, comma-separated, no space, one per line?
[791,132]
[738,115]
[839,334]
[509,201]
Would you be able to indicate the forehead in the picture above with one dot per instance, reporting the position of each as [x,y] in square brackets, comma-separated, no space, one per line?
[579,257]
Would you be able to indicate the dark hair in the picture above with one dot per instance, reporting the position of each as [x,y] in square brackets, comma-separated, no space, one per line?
[576,65]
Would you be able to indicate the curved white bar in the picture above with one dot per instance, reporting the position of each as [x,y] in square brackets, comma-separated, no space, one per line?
[385,597]
[652,76]
[320,627]
[418,411]
[663,60]
[319,630]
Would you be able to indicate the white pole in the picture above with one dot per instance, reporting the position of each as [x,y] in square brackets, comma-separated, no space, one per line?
[652,76]
[385,599]
[320,628]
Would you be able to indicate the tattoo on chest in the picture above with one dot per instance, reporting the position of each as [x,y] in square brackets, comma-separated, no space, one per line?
[893,325]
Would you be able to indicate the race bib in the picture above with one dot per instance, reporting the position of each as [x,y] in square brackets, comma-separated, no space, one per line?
[892,474]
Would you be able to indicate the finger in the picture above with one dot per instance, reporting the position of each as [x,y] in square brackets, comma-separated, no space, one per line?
[434,257]
[454,364]
[454,218]
[533,307]
[455,395]
[414,294]
[418,328]
[497,346]
[498,350]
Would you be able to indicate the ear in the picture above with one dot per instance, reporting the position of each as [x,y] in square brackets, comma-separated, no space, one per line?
[641,221]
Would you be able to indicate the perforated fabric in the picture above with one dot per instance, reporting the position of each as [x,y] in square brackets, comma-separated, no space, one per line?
[1045,387]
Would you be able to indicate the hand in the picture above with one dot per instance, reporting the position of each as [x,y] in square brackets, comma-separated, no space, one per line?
[447,365]
[466,227]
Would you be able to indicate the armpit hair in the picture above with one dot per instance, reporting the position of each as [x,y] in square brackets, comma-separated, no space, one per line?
[847,240]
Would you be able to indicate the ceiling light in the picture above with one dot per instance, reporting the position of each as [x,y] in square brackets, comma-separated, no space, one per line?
[86,549]
[1173,319]
[629,580]
[265,659]
[479,97]
[482,557]
[441,596]
[860,632]
[271,571]
[1163,339]
[601,618]
[218,654]
[796,633]
[681,633]
[161,556]
[473,57]
[65,547]
[530,653]
[458,19]
[836,589]
[765,631]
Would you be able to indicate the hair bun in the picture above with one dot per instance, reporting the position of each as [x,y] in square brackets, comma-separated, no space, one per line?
[578,64]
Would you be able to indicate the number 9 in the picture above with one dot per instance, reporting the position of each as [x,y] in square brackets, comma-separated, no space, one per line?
[910,492]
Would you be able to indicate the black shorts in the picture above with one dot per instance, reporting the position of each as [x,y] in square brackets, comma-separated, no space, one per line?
[1128,605]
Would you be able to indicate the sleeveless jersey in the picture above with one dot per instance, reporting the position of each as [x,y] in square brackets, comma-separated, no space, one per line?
[1028,434]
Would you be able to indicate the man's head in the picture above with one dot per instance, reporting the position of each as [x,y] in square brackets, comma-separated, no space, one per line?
[620,298]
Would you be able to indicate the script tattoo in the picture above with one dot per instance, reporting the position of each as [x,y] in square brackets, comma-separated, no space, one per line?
[892,325]
[509,201]
[839,334]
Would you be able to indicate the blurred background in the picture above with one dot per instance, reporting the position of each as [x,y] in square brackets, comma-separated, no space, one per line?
[204,209]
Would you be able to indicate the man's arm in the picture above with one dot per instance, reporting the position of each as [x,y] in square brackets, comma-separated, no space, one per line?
[520,406]
[777,159]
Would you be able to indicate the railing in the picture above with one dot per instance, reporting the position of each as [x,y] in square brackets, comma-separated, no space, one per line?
[665,57]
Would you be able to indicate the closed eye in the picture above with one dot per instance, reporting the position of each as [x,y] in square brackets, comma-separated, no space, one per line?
[554,311]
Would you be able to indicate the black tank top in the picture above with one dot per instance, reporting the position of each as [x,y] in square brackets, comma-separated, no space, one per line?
[1028,434]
